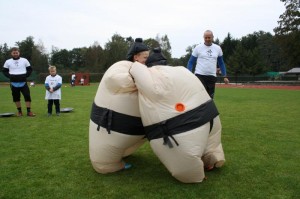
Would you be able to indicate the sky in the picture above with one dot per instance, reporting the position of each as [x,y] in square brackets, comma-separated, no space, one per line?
[68,24]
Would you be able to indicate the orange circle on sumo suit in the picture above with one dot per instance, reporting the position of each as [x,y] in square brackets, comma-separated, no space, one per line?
[179,107]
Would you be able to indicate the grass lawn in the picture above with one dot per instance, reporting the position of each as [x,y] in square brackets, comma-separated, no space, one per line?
[47,157]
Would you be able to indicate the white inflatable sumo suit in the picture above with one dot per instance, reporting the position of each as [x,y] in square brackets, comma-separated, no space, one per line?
[178,115]
[116,128]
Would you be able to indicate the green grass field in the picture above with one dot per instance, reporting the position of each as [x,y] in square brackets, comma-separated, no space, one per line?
[47,157]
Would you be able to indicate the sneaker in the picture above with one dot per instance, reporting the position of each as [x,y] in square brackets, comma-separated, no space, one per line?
[49,114]
[30,114]
[127,166]
[218,164]
[19,114]
[58,114]
[209,168]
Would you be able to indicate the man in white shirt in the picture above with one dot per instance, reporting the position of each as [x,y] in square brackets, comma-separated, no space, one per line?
[208,56]
[17,69]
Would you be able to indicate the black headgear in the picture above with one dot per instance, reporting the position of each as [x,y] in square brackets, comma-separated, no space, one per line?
[156,58]
[137,47]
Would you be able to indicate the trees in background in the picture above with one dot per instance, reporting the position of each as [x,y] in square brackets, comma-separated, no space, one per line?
[253,54]
[94,58]
[61,59]
[97,59]
[4,53]
[287,34]
[289,21]
[115,50]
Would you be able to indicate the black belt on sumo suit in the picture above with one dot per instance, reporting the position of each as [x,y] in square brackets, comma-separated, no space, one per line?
[114,121]
[131,125]
[187,121]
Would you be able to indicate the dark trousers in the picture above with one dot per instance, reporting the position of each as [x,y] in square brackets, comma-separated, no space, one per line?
[56,103]
[16,93]
[209,83]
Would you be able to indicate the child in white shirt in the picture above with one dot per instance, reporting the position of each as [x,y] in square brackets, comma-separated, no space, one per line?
[53,85]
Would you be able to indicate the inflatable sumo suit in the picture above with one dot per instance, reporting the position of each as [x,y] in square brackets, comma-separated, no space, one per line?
[115,128]
[178,116]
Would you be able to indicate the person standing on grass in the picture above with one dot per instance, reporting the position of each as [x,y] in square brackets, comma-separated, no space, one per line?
[53,85]
[73,77]
[208,56]
[17,69]
[82,81]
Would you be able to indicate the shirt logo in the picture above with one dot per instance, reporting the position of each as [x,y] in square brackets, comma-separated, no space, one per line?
[209,53]
[16,63]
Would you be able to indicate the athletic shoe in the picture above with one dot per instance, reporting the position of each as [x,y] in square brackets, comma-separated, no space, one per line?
[30,114]
[19,114]
[49,114]
[127,166]
[58,114]
[210,168]
[218,164]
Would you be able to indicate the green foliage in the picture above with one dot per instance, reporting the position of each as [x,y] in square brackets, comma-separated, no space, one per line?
[77,58]
[115,50]
[165,45]
[39,61]
[289,49]
[61,58]
[151,43]
[228,46]
[4,54]
[254,54]
[26,46]
[48,157]
[289,21]
[288,33]
[236,63]
[270,52]
[94,58]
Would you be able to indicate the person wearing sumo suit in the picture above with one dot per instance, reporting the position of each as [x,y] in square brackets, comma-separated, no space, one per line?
[179,118]
[138,52]
[214,140]
[156,58]
[116,130]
